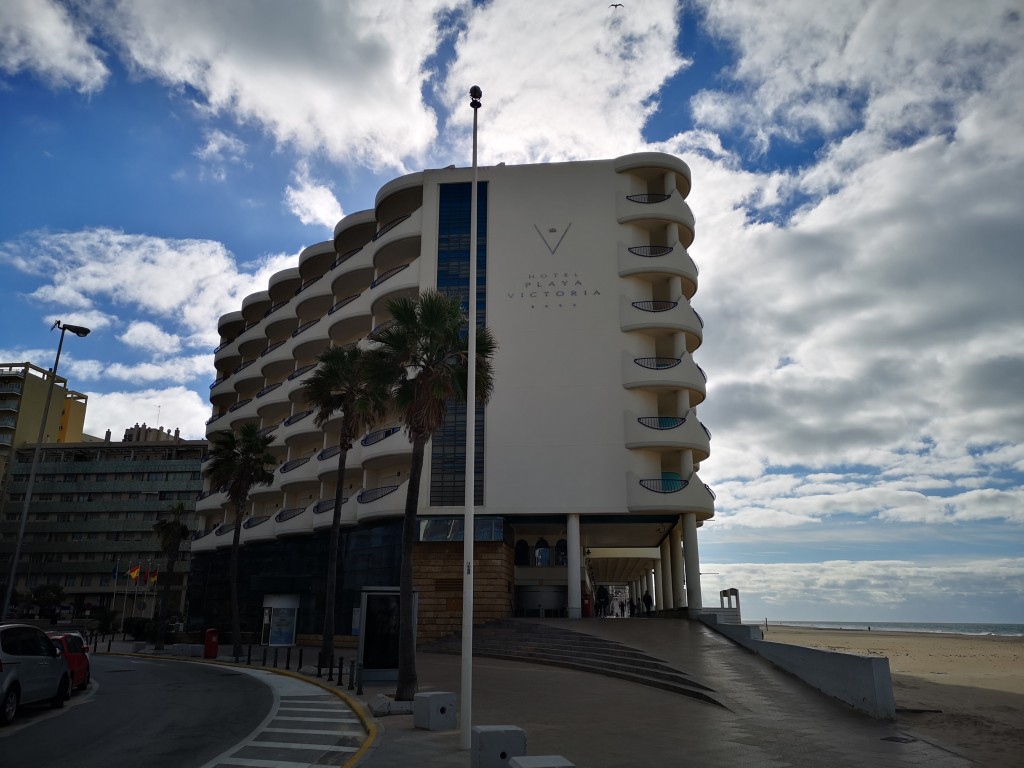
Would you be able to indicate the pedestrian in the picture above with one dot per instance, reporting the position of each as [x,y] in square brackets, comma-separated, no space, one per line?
[648,602]
[622,609]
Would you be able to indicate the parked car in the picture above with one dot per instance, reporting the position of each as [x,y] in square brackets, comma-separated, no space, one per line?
[76,652]
[32,670]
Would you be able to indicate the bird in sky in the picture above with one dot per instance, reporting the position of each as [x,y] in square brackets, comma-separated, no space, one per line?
[616,5]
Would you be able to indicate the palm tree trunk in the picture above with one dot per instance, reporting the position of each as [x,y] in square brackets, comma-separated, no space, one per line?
[327,648]
[407,678]
[236,620]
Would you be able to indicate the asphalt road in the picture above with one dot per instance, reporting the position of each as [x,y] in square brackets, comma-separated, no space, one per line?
[153,713]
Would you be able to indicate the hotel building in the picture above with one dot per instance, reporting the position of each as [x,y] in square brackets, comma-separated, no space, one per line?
[586,455]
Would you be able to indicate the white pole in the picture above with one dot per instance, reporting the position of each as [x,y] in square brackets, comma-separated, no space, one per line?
[468,533]
[124,605]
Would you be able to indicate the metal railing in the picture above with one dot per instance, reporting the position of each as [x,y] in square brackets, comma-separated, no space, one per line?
[345,257]
[648,198]
[389,226]
[650,251]
[271,348]
[306,284]
[658,363]
[297,417]
[301,371]
[662,422]
[343,302]
[268,389]
[304,327]
[252,522]
[288,466]
[288,514]
[380,434]
[373,494]
[389,274]
[655,306]
[664,485]
[239,404]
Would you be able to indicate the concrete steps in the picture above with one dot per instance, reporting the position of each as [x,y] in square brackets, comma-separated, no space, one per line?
[543,644]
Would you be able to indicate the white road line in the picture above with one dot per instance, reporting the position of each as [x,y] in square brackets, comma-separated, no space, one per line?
[290,745]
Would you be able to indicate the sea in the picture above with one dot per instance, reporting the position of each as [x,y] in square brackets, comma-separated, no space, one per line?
[1004,630]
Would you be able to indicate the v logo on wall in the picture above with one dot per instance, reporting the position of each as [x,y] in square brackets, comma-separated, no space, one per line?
[551,237]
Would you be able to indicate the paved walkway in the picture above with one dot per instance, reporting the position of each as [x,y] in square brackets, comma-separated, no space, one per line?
[770,719]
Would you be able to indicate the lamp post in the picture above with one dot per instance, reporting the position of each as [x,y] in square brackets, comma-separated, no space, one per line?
[78,330]
[475,94]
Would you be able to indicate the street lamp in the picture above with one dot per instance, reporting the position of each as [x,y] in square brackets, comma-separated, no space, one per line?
[80,331]
[475,94]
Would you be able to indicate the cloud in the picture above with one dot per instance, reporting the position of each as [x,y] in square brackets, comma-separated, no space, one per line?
[178,408]
[41,37]
[146,335]
[965,590]
[561,81]
[344,78]
[312,201]
[221,149]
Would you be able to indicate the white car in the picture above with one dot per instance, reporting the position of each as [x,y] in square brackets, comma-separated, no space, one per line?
[32,670]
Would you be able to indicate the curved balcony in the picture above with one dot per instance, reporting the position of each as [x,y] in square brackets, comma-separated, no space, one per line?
[299,423]
[247,377]
[399,196]
[257,528]
[323,513]
[276,360]
[282,320]
[268,494]
[669,494]
[252,341]
[242,412]
[229,326]
[668,433]
[402,280]
[314,298]
[355,230]
[653,211]
[310,340]
[282,285]
[351,321]
[315,260]
[664,373]
[327,468]
[212,500]
[222,388]
[383,446]
[294,521]
[652,167]
[219,538]
[382,502]
[652,262]
[255,306]
[298,472]
[228,355]
[662,317]
[353,275]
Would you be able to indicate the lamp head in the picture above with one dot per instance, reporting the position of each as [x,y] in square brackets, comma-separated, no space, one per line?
[78,330]
[475,94]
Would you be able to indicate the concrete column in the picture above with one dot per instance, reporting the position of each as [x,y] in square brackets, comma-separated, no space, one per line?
[648,584]
[686,464]
[573,550]
[666,575]
[658,582]
[692,561]
[676,548]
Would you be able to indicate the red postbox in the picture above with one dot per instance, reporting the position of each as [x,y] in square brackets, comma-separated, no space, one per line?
[210,644]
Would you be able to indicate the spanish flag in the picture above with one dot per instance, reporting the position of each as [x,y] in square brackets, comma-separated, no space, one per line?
[133,572]
[152,575]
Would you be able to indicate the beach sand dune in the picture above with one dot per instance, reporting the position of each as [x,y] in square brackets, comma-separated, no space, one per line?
[964,692]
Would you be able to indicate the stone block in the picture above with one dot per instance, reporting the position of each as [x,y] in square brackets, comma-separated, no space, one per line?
[434,711]
[540,761]
[492,746]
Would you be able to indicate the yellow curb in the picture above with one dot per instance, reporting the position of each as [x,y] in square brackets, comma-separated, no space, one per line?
[354,704]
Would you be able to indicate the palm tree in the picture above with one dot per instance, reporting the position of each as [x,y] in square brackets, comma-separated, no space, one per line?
[171,532]
[421,357]
[338,385]
[238,462]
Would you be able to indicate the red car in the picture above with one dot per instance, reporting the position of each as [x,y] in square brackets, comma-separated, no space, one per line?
[76,652]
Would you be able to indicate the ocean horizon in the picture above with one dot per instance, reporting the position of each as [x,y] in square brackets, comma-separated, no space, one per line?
[944,628]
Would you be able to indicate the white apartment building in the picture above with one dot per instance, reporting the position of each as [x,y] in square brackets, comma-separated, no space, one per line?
[588,453]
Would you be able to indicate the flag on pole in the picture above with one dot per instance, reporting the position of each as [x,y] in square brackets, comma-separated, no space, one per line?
[152,576]
[133,572]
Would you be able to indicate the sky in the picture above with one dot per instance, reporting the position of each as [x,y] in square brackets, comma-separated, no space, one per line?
[858,178]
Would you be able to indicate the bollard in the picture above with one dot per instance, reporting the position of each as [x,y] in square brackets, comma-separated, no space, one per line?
[109,641]
[359,681]
[329,661]
[275,657]
[264,657]
[248,657]
[288,658]
[351,675]
[299,667]
[318,668]
[341,668]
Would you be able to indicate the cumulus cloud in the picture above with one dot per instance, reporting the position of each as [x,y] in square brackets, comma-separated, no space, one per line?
[220,151]
[41,37]
[149,336]
[171,407]
[344,78]
[313,202]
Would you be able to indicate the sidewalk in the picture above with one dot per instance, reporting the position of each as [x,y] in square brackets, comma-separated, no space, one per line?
[769,719]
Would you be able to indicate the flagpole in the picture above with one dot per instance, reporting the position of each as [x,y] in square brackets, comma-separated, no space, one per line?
[468,534]
[124,605]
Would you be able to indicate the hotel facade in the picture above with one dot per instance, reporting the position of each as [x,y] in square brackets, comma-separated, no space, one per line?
[587,455]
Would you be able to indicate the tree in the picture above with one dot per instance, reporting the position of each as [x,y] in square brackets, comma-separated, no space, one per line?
[171,532]
[338,386]
[49,598]
[238,461]
[422,359]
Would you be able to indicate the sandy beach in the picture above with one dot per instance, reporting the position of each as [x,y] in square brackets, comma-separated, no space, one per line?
[962,691]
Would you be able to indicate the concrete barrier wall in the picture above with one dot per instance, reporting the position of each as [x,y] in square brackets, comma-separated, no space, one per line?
[863,682]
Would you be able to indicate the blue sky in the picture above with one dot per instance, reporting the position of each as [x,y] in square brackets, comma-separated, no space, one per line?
[857,181]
